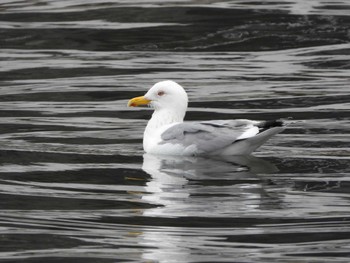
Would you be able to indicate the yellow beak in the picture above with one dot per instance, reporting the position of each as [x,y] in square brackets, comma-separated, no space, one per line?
[138,101]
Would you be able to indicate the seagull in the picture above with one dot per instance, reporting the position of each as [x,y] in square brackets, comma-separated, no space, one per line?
[168,134]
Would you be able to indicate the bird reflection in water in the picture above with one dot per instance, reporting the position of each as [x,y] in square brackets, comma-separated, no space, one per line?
[192,191]
[192,186]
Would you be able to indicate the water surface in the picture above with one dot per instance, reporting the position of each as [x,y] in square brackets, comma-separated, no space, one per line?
[75,185]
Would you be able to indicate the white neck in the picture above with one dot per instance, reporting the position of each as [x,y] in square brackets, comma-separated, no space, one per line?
[161,117]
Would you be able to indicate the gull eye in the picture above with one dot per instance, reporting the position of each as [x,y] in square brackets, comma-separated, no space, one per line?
[160,93]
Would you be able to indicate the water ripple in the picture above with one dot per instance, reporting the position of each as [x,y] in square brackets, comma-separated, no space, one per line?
[75,183]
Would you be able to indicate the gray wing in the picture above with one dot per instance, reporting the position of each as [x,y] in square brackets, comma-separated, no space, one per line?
[207,136]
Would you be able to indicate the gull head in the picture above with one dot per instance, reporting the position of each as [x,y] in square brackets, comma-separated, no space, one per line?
[164,95]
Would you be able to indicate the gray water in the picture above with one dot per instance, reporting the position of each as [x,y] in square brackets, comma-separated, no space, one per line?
[75,185]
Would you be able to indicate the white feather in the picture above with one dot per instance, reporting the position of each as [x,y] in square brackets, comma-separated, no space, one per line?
[218,137]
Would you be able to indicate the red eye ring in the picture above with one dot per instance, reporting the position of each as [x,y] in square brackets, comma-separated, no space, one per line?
[161,93]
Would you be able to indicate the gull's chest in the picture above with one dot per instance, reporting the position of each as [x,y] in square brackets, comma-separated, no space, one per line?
[153,142]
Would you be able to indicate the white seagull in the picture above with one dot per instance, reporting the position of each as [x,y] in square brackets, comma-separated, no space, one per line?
[167,133]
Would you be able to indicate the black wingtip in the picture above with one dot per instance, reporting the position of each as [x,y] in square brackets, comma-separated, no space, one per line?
[265,125]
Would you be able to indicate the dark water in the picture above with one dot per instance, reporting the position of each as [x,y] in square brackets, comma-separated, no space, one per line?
[75,185]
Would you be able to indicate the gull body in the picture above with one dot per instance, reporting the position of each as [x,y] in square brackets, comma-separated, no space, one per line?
[167,133]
